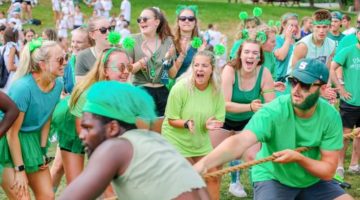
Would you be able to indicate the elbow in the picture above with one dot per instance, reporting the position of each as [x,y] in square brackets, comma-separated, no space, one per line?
[279,57]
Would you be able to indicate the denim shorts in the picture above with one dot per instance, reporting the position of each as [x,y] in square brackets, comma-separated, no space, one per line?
[274,190]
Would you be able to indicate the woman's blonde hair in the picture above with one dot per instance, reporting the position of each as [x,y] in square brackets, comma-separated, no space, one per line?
[97,73]
[215,78]
[29,61]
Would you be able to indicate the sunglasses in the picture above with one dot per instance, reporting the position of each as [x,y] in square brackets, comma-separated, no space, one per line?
[63,59]
[104,30]
[122,67]
[144,19]
[304,86]
[189,18]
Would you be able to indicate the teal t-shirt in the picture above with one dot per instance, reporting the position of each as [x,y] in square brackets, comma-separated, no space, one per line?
[345,42]
[270,63]
[282,65]
[36,104]
[235,48]
[349,59]
[336,38]
[194,105]
[278,128]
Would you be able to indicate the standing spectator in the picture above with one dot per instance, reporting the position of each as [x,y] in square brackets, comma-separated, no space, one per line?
[126,10]
[10,51]
[26,9]
[56,9]
[306,26]
[3,19]
[78,17]
[125,31]
[346,23]
[106,8]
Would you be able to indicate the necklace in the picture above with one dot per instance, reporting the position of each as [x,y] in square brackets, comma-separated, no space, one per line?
[151,63]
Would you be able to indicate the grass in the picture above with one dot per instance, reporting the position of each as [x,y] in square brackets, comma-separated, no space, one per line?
[210,11]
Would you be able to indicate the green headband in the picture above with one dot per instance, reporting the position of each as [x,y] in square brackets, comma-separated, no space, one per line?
[257,12]
[193,8]
[108,52]
[34,44]
[321,22]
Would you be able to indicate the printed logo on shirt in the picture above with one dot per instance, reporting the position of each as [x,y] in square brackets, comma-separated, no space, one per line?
[321,59]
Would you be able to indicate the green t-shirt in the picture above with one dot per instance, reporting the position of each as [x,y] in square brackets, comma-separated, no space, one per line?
[345,42]
[77,109]
[194,105]
[278,128]
[349,59]
[270,63]
[336,38]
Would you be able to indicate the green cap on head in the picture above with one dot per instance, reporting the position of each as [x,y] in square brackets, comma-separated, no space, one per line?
[120,101]
[310,70]
[336,15]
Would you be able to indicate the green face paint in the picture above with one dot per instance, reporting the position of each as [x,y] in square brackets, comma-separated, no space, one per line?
[309,102]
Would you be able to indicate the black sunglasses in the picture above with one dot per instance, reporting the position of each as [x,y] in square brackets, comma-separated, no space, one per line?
[103,30]
[304,86]
[189,18]
[144,19]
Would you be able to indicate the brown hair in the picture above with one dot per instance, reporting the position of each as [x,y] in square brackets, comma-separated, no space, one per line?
[11,35]
[163,30]
[51,34]
[236,62]
[347,17]
[305,19]
[195,32]
[321,14]
[285,18]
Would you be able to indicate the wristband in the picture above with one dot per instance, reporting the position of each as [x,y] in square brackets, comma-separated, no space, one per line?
[43,151]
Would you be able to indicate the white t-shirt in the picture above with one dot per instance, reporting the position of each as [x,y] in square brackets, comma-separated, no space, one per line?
[78,19]
[126,9]
[349,31]
[6,60]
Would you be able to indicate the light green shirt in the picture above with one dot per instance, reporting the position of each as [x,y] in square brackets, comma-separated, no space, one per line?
[195,105]
[156,171]
[278,128]
[349,59]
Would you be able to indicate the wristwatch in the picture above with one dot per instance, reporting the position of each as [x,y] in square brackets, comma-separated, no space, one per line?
[20,168]
[186,124]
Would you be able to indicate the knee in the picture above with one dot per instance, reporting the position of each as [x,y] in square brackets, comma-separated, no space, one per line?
[45,195]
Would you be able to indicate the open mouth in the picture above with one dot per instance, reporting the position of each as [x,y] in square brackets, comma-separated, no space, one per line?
[200,75]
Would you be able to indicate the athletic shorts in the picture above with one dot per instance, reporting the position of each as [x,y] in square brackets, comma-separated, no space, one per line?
[274,190]
[350,115]
[231,125]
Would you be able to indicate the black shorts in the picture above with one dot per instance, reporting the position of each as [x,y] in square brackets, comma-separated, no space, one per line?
[160,96]
[350,115]
[231,125]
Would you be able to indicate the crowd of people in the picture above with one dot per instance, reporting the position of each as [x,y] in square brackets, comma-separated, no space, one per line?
[157,109]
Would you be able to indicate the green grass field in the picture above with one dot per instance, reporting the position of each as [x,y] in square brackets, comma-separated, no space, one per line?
[216,11]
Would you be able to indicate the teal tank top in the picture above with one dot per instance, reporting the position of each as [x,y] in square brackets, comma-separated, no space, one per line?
[240,96]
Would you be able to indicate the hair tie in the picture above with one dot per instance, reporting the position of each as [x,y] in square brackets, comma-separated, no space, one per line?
[34,44]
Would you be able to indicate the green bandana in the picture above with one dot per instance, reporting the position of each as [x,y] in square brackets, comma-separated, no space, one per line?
[120,101]
[321,22]
[193,8]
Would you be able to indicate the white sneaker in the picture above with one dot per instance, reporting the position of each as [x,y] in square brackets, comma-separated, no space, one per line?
[355,169]
[340,171]
[237,190]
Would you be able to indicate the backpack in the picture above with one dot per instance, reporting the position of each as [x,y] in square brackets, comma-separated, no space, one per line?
[35,22]
[4,73]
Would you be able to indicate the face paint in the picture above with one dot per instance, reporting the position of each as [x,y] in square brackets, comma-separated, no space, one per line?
[309,102]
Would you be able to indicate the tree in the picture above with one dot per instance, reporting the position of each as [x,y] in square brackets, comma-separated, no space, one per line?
[357,5]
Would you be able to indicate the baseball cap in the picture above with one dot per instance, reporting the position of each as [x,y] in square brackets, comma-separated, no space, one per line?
[310,70]
[336,15]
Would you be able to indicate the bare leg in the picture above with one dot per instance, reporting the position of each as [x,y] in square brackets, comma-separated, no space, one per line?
[73,165]
[40,183]
[355,152]
[343,151]
[57,170]
[195,194]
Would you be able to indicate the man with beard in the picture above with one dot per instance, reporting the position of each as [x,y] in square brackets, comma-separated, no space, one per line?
[139,162]
[288,122]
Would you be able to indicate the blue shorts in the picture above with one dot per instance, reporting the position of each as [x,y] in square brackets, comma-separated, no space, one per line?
[274,190]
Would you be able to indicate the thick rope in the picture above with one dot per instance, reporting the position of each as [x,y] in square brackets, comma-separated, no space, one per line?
[256,162]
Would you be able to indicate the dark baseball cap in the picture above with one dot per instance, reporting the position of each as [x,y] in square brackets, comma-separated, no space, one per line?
[310,70]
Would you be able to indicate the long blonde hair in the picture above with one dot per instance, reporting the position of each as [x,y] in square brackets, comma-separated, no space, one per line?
[97,73]
[29,61]
[215,78]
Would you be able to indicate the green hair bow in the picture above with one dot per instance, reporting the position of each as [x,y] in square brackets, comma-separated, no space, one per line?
[34,44]
[245,34]
[261,37]
[193,8]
